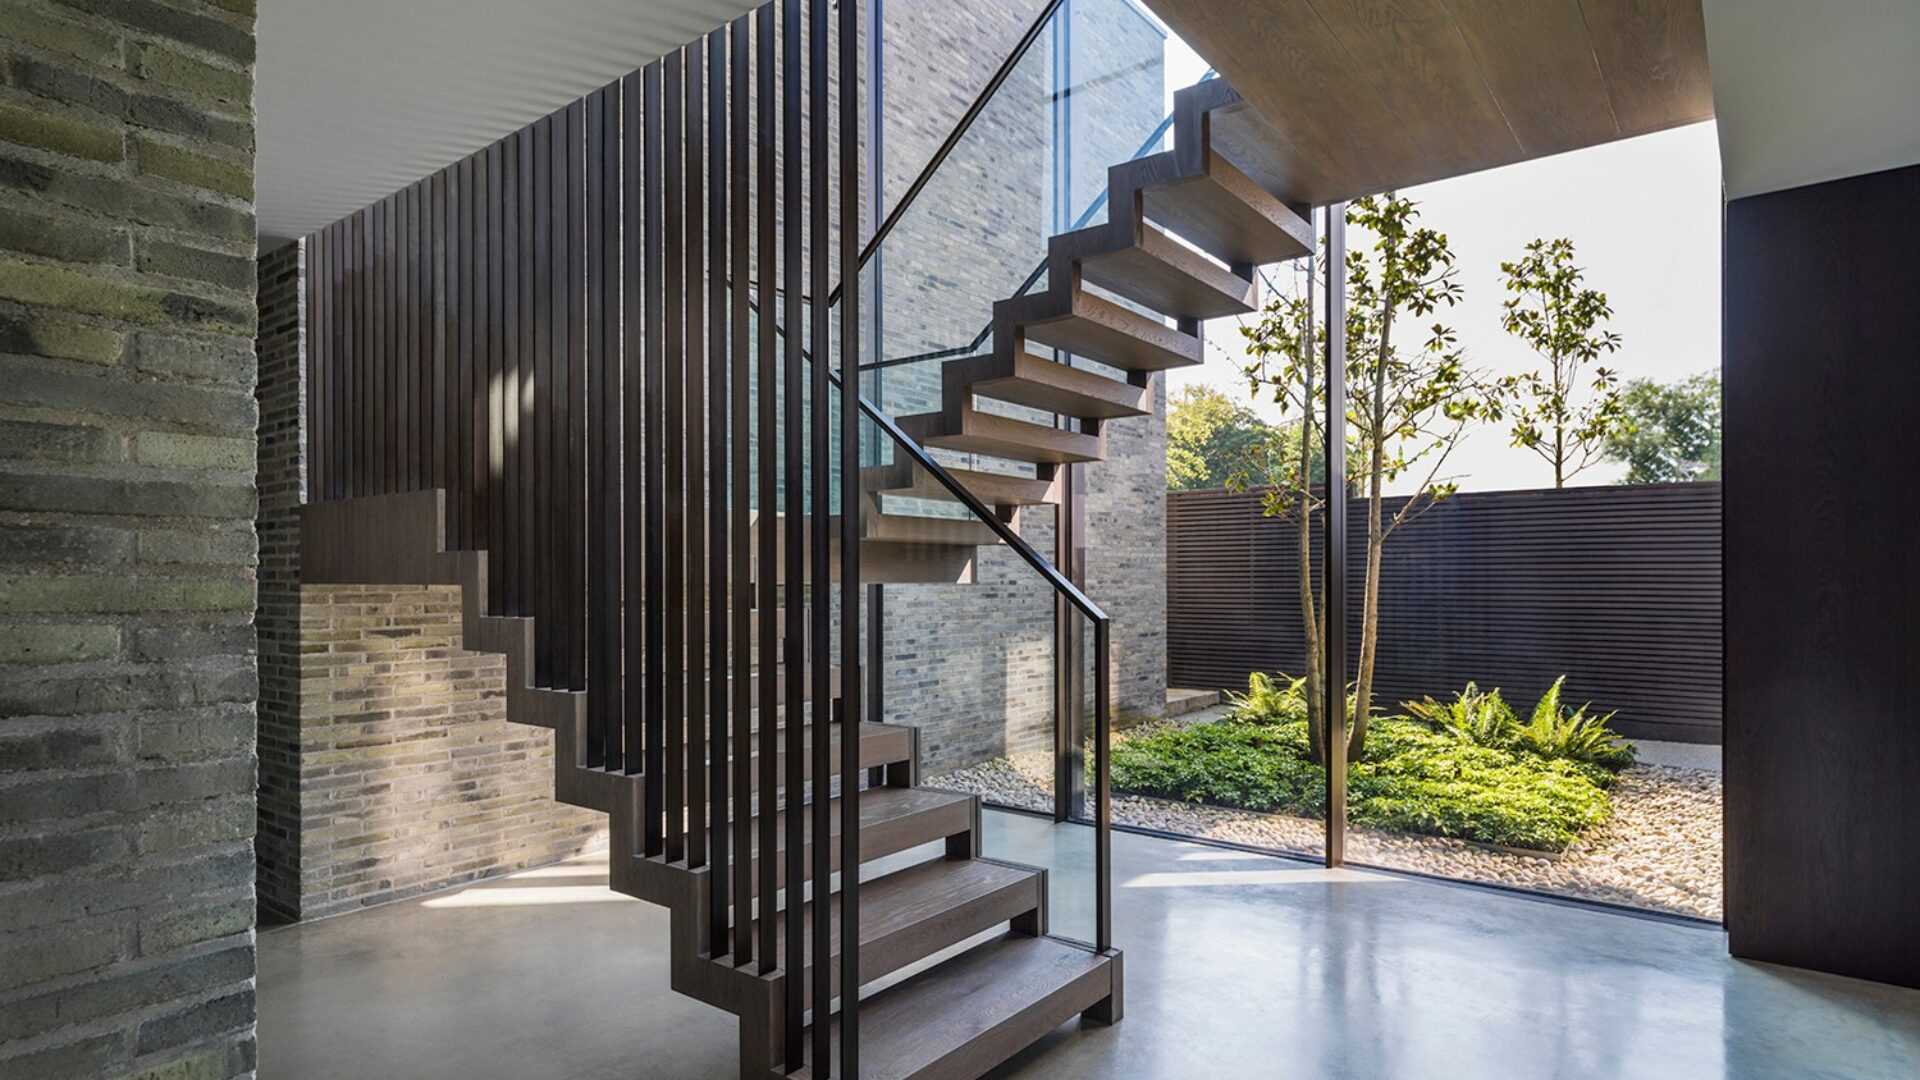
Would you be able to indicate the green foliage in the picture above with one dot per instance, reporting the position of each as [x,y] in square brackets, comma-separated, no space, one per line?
[1267,702]
[1671,431]
[1549,310]
[1472,717]
[1212,442]
[1554,731]
[1411,779]
[1411,394]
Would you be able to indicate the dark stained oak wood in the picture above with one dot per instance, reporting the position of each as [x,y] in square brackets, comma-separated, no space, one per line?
[1822,373]
[1361,96]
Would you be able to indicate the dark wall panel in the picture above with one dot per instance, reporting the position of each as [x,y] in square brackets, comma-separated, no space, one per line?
[1823,583]
[1616,587]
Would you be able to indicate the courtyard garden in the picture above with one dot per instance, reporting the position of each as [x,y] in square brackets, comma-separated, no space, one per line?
[1545,798]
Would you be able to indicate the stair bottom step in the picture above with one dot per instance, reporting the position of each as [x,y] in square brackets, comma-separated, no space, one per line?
[973,1012]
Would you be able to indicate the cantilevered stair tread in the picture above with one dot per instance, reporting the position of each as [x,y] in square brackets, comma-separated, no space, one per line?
[1025,379]
[1226,214]
[1112,333]
[911,914]
[908,480]
[1171,278]
[967,1015]
[976,432]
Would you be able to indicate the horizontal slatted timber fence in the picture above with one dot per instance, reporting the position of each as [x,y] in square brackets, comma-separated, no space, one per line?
[1616,587]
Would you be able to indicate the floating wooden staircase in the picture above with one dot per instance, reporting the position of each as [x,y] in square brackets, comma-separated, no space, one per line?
[1230,223]
[926,893]
[934,891]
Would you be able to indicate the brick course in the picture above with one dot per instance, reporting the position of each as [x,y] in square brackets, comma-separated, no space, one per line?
[127,549]
[410,777]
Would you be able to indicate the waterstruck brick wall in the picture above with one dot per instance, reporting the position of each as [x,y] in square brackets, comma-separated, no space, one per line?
[411,778]
[127,672]
[387,766]
[281,481]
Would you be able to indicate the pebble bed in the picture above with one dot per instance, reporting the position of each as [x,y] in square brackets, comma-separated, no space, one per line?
[1660,852]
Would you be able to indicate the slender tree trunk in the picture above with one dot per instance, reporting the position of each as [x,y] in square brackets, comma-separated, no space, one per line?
[1376,539]
[1309,610]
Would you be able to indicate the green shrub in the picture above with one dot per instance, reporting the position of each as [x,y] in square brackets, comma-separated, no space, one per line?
[1552,732]
[1573,735]
[1411,779]
[1268,702]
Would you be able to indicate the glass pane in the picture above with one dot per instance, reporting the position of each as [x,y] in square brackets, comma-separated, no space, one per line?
[1539,633]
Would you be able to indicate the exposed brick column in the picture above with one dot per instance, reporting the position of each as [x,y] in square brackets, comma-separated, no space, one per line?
[127,672]
[282,480]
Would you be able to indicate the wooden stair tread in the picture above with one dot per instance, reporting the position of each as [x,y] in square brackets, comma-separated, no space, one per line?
[979,432]
[1111,333]
[1025,379]
[880,744]
[972,1012]
[1171,278]
[1228,215]
[892,819]
[913,913]
[908,480]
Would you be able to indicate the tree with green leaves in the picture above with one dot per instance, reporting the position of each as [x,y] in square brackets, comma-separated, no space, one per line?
[1553,416]
[1671,432]
[1216,442]
[1407,407]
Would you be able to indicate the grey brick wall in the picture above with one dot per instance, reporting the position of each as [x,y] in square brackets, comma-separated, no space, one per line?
[410,776]
[387,766]
[127,550]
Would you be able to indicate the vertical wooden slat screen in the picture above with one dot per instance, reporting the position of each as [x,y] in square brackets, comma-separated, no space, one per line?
[558,333]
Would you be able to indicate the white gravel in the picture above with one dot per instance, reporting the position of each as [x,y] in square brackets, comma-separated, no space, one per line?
[1661,851]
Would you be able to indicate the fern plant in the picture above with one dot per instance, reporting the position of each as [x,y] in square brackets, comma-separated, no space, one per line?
[1554,731]
[1270,702]
[1472,717]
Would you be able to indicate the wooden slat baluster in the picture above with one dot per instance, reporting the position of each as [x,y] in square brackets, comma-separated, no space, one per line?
[766,113]
[673,443]
[741,493]
[655,348]
[793,567]
[819,638]
[718,809]
[696,468]
[572,244]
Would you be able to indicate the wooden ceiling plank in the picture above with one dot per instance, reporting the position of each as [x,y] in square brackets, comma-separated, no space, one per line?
[1304,87]
[1538,60]
[1653,55]
[1429,79]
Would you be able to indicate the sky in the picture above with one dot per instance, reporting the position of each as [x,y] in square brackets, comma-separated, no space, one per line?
[1644,218]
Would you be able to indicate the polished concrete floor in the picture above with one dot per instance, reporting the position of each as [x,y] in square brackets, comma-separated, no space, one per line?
[1236,965]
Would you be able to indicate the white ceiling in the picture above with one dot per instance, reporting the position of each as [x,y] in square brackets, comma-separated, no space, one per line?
[359,97]
[1806,92]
